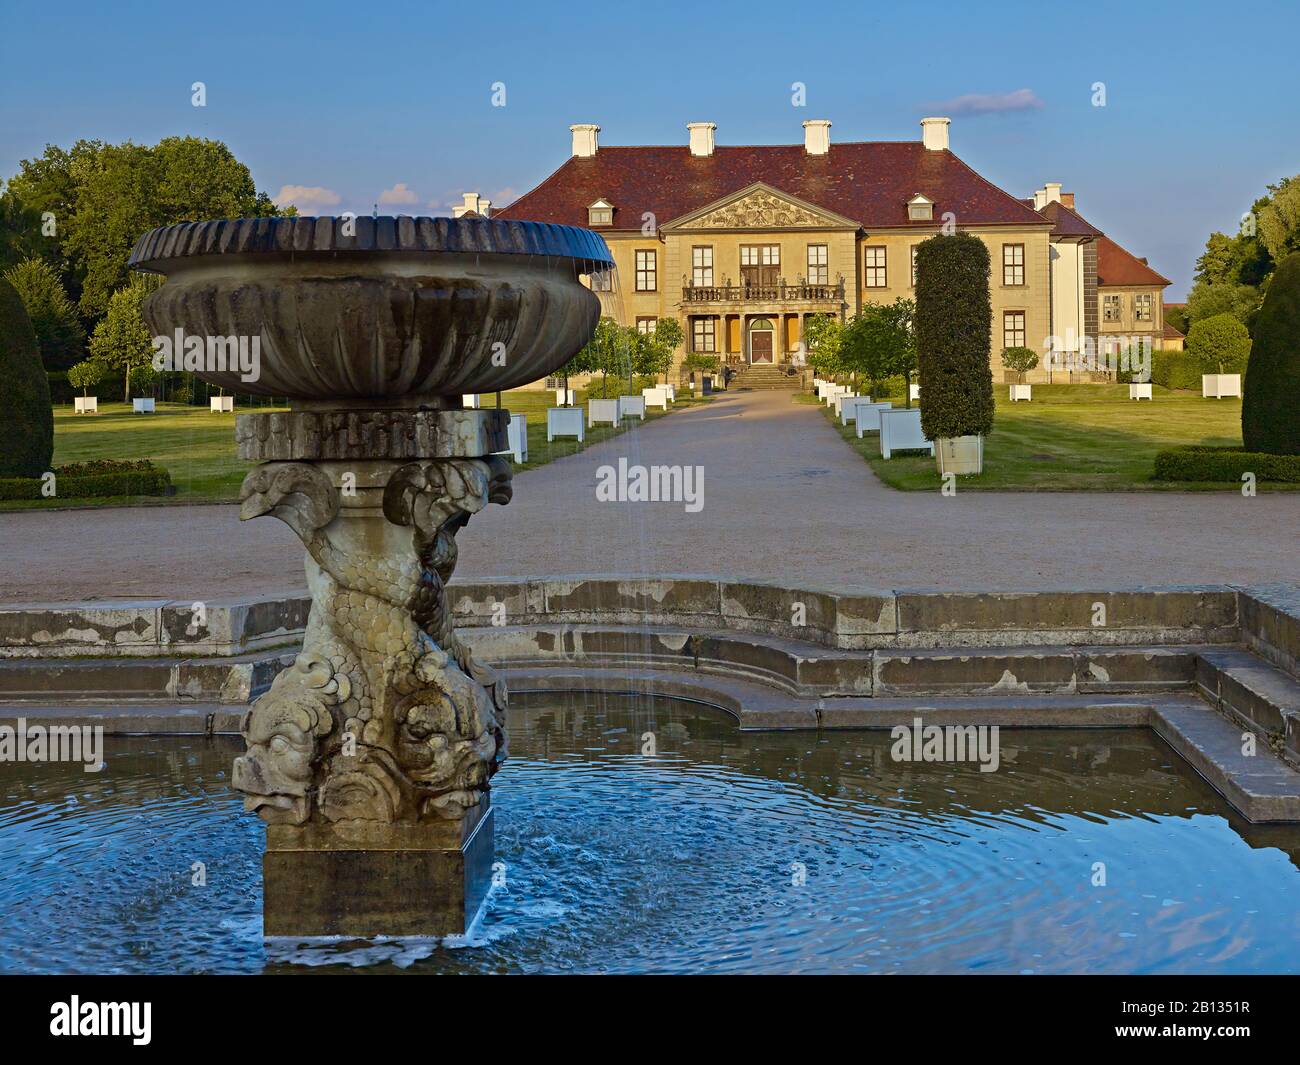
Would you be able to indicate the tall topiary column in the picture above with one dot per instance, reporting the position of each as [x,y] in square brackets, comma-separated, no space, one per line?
[1270,405]
[954,320]
[26,417]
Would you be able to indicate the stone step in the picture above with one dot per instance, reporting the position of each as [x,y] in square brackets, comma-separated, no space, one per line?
[808,668]
[1249,691]
[237,679]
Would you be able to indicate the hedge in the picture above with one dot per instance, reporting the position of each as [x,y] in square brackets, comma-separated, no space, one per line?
[26,417]
[1270,406]
[1176,369]
[90,480]
[1201,463]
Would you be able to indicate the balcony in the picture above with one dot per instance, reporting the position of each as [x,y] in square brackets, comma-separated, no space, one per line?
[780,292]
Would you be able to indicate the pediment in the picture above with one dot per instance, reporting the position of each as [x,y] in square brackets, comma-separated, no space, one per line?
[761,207]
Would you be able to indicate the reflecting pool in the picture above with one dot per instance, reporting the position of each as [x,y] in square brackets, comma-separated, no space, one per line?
[640,836]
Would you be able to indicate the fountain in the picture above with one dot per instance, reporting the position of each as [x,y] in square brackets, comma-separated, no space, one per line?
[370,759]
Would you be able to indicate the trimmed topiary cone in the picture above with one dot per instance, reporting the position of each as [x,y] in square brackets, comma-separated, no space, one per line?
[1270,402]
[26,417]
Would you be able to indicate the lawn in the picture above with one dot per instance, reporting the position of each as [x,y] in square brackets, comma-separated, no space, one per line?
[1074,438]
[198,447]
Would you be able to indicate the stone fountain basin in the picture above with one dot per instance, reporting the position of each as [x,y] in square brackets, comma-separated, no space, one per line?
[399,310]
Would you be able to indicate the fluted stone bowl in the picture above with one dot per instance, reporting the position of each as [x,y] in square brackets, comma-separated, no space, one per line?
[378,309]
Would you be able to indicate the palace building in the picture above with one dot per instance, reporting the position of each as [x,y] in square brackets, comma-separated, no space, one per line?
[744,244]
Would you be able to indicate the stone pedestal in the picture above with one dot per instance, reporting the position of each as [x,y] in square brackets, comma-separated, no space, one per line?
[370,758]
[363,880]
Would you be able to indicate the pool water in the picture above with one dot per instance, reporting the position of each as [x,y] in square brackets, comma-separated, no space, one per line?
[721,852]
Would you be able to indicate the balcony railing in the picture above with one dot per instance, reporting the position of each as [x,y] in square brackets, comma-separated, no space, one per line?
[781,292]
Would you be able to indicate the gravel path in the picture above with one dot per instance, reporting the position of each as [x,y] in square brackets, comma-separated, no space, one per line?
[783,499]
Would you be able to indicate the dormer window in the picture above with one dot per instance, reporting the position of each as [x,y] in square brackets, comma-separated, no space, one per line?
[600,213]
[920,209]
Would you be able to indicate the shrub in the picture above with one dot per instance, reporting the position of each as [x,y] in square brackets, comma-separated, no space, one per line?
[89,480]
[1019,360]
[1175,369]
[1202,463]
[86,374]
[1221,344]
[954,318]
[1270,404]
[59,334]
[26,417]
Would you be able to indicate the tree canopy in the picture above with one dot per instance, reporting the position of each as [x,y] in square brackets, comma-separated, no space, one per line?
[59,333]
[122,340]
[26,416]
[1221,344]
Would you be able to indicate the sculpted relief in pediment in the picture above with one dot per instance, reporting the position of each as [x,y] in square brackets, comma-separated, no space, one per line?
[759,210]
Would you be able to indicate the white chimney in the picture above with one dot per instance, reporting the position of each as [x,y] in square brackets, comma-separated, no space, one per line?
[701,137]
[585,139]
[817,136]
[1049,193]
[473,203]
[934,133]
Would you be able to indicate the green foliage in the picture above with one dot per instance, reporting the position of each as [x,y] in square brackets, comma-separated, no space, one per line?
[698,362]
[614,351]
[1019,360]
[86,374]
[1221,344]
[1177,317]
[26,416]
[1200,463]
[1225,297]
[1176,369]
[104,196]
[59,334]
[954,321]
[824,335]
[122,341]
[1270,405]
[1278,219]
[86,480]
[879,343]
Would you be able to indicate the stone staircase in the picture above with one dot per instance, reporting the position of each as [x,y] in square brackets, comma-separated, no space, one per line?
[765,377]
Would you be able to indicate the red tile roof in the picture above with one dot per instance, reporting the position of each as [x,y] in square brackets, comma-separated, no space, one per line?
[1067,222]
[869,182]
[1115,266]
[1170,332]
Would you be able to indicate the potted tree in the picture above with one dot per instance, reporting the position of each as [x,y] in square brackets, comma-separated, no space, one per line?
[1221,344]
[1020,360]
[85,375]
[954,321]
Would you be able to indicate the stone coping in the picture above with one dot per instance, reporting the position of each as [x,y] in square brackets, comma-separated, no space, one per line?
[848,618]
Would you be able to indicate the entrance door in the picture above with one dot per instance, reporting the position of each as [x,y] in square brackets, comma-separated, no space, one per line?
[760,345]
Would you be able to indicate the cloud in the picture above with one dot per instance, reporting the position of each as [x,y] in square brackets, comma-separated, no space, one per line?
[398,194]
[987,103]
[307,198]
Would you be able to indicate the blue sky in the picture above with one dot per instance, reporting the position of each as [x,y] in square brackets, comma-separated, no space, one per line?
[1202,100]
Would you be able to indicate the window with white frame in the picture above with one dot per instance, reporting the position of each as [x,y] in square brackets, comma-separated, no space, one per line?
[600,213]
[703,335]
[1013,264]
[873,267]
[702,266]
[647,271]
[1110,308]
[645,324]
[818,265]
[1142,307]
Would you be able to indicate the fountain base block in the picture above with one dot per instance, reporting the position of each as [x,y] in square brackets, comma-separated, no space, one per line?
[364,879]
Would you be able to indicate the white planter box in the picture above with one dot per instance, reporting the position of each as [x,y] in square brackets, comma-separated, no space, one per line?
[221,404]
[564,421]
[849,407]
[900,430]
[962,455]
[602,412]
[142,406]
[672,393]
[821,387]
[655,397]
[1139,391]
[631,405]
[869,416]
[838,402]
[1220,385]
[517,437]
[470,402]
[564,397]
[85,405]
[914,391]
[1019,392]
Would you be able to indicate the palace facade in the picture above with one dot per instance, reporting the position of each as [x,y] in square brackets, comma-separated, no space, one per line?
[744,244]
